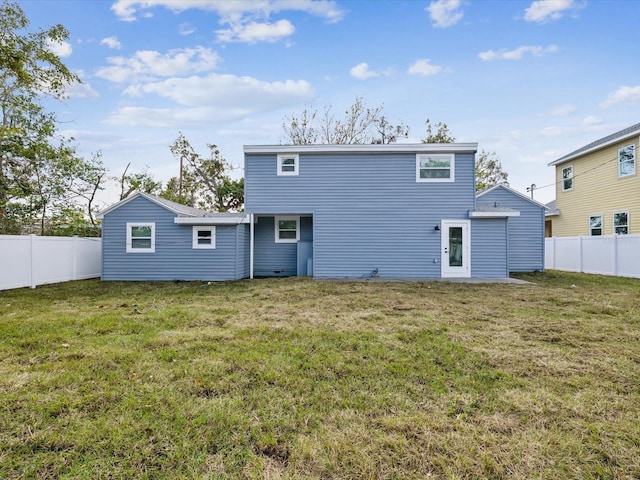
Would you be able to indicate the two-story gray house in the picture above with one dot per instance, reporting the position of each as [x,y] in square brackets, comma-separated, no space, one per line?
[405,211]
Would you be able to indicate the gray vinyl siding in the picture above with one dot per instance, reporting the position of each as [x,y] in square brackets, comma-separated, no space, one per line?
[174,257]
[526,232]
[368,211]
[243,240]
[489,248]
[273,259]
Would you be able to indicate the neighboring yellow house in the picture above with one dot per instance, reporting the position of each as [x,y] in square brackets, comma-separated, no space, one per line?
[598,188]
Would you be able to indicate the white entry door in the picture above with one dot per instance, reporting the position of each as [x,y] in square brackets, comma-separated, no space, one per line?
[456,248]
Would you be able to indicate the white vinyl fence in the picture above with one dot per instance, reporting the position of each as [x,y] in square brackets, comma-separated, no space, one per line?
[617,255]
[30,260]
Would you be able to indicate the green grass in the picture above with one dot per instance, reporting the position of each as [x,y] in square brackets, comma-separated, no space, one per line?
[291,378]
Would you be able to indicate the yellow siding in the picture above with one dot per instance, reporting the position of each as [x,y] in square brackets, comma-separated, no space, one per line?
[597,189]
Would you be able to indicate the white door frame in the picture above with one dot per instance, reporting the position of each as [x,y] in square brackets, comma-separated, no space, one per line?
[463,271]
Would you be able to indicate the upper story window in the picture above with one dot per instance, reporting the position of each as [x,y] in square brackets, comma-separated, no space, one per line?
[141,237]
[435,168]
[621,223]
[567,178]
[595,224]
[204,237]
[627,160]
[288,164]
[287,229]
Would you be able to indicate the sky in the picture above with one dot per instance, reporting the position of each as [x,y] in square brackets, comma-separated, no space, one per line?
[528,80]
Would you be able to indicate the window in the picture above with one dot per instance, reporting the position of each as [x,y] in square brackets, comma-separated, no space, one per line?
[621,223]
[287,229]
[627,161]
[204,237]
[435,168]
[288,164]
[595,225]
[141,237]
[567,178]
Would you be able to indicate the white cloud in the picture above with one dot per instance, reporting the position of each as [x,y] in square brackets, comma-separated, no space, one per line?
[248,20]
[445,13]
[149,64]
[424,67]
[213,99]
[624,94]
[362,72]
[81,90]
[518,53]
[186,29]
[61,49]
[591,120]
[254,32]
[542,11]
[111,42]
[563,110]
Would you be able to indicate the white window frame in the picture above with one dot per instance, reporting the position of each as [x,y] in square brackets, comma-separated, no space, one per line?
[633,150]
[130,248]
[195,239]
[452,167]
[562,179]
[276,228]
[591,234]
[285,156]
[613,221]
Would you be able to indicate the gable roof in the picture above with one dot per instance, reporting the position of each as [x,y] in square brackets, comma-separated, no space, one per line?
[628,132]
[552,209]
[177,208]
[366,148]
[513,192]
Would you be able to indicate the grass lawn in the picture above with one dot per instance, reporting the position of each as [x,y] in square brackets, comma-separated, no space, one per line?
[294,378]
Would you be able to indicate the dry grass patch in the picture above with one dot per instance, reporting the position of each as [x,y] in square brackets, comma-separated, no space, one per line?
[291,378]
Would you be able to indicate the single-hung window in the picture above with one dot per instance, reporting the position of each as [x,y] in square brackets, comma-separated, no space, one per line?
[595,225]
[567,178]
[627,160]
[204,237]
[287,229]
[288,164]
[435,168]
[621,223]
[141,237]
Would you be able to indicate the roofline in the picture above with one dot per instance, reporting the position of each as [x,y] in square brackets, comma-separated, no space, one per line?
[373,148]
[134,195]
[231,219]
[515,192]
[579,153]
[496,214]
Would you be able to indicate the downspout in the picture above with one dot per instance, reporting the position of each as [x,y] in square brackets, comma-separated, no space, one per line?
[251,242]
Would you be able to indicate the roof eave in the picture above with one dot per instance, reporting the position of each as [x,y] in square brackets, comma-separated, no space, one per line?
[575,155]
[374,148]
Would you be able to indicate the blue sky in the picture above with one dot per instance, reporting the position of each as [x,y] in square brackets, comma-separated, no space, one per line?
[530,80]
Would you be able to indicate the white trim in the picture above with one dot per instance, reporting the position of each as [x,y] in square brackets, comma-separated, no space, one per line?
[231,220]
[199,246]
[288,156]
[251,244]
[573,174]
[613,222]
[493,214]
[368,148]
[633,146]
[452,168]
[276,228]
[456,272]
[601,224]
[129,247]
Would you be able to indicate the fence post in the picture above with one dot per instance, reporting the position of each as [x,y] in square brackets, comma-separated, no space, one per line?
[580,261]
[74,261]
[32,243]
[553,243]
[615,254]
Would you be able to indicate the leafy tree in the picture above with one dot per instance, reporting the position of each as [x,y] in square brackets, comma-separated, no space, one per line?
[29,152]
[438,133]
[204,182]
[488,167]
[359,125]
[489,172]
[133,182]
